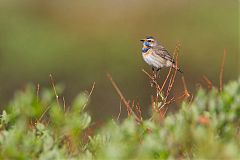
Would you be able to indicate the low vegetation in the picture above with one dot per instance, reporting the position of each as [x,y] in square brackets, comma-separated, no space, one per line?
[38,126]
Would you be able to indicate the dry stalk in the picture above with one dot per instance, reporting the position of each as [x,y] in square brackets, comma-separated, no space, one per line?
[138,110]
[174,74]
[153,104]
[221,71]
[93,86]
[175,53]
[133,104]
[54,89]
[64,104]
[169,72]
[163,115]
[128,108]
[171,81]
[120,111]
[186,92]
[45,111]
[152,79]
[209,83]
[38,89]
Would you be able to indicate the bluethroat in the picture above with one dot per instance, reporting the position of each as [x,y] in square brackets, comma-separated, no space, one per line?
[156,55]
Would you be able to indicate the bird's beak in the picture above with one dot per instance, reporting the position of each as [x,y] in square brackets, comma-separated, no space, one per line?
[142,40]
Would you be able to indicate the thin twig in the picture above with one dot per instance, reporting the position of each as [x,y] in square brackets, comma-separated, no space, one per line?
[185,87]
[175,72]
[185,94]
[120,111]
[153,80]
[156,100]
[221,71]
[157,89]
[38,88]
[175,54]
[54,89]
[172,78]
[169,85]
[128,109]
[45,111]
[167,102]
[122,97]
[64,104]
[139,112]
[152,102]
[161,115]
[118,91]
[89,95]
[191,99]
[173,99]
[148,74]
[165,112]
[133,104]
[169,72]
[209,83]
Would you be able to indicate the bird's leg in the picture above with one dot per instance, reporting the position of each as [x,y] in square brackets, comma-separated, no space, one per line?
[154,73]
[158,71]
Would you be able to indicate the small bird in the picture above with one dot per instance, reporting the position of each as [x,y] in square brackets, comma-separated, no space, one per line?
[156,55]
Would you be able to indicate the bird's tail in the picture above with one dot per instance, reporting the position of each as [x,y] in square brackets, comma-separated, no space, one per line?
[177,68]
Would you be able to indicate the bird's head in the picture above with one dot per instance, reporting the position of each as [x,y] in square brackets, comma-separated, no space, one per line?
[149,41]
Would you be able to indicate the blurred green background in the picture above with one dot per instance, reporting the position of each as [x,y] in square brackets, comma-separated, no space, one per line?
[80,41]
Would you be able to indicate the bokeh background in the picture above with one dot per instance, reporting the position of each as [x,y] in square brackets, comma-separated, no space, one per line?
[79,41]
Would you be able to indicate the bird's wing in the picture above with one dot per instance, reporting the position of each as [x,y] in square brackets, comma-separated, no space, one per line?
[162,52]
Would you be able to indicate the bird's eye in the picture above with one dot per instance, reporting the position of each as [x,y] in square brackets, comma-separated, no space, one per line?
[150,40]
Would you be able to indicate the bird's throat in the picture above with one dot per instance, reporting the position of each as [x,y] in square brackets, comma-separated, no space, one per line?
[145,49]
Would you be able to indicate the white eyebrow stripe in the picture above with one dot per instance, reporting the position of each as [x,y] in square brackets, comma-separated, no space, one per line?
[150,39]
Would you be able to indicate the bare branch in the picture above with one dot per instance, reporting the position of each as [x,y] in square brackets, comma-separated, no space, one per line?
[221,71]
[64,104]
[152,78]
[122,97]
[38,88]
[93,86]
[169,72]
[172,79]
[209,83]
[186,92]
[139,112]
[54,88]
[175,52]
[39,120]
[120,111]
